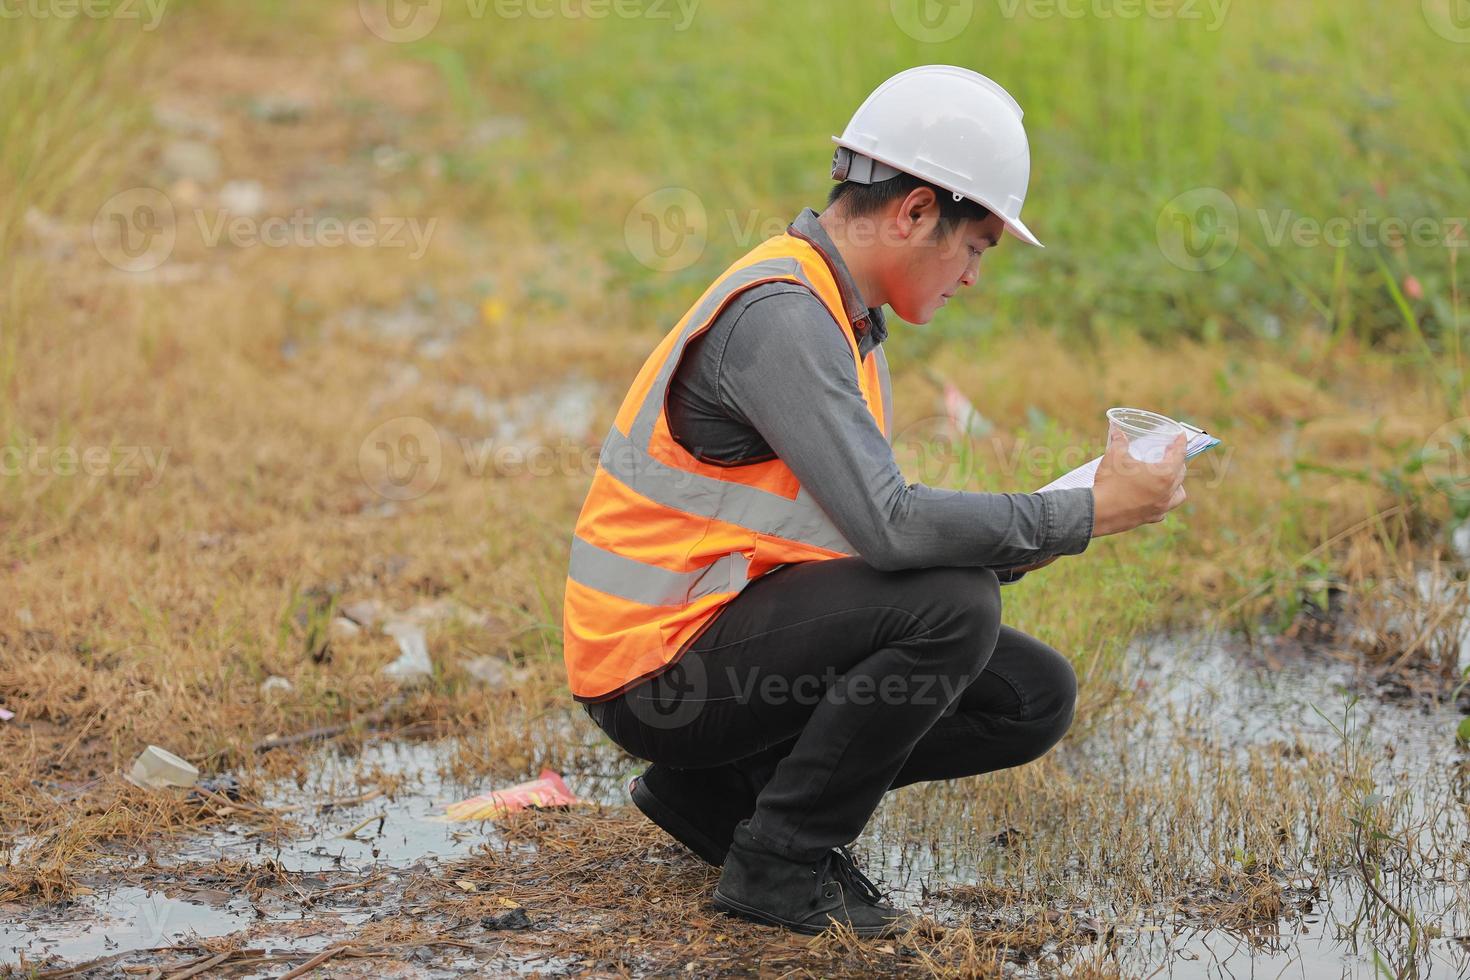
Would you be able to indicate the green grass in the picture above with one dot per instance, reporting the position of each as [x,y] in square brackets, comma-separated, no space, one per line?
[66,113]
[1311,110]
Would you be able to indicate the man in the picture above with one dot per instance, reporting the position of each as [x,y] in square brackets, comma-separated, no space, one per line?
[758,603]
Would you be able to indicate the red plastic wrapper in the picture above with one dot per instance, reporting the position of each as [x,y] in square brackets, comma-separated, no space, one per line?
[546,790]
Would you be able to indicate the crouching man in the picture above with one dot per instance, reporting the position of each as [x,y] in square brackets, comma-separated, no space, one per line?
[758,603]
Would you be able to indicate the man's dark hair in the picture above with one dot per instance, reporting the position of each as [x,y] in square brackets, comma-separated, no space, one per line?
[858,200]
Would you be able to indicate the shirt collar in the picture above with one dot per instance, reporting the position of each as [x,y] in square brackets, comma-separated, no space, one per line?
[863,319]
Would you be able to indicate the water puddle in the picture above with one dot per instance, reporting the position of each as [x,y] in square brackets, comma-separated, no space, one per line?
[1236,729]
[117,919]
[565,409]
[1301,706]
[1213,731]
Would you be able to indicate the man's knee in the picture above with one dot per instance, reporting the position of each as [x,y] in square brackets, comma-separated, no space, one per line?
[1054,703]
[961,615]
[968,595]
[984,591]
[972,598]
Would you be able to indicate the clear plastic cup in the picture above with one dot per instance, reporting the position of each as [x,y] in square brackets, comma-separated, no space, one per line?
[1149,434]
[157,768]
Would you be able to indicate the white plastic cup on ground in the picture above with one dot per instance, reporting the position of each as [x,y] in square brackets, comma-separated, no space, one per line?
[1149,434]
[157,768]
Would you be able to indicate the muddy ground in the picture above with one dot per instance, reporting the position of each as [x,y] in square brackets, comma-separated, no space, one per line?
[358,867]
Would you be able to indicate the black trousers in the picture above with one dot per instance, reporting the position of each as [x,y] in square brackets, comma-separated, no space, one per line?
[827,683]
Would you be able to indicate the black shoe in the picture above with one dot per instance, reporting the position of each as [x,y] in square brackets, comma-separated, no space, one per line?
[699,808]
[808,898]
[858,885]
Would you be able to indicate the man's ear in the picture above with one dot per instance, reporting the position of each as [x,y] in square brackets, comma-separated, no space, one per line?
[918,210]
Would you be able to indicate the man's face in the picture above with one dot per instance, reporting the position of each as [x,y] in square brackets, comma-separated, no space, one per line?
[931,265]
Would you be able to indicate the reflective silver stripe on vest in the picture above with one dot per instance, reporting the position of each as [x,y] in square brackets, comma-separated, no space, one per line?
[651,585]
[641,430]
[735,503]
[885,385]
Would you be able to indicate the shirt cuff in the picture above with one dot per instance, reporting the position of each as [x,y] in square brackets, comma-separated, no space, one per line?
[1066,521]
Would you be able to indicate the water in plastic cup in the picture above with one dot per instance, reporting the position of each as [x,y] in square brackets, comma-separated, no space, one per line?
[1149,434]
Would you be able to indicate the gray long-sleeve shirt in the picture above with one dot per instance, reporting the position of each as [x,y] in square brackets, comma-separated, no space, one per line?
[773,377]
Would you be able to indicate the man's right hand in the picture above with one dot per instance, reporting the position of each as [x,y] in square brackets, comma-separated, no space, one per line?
[1127,493]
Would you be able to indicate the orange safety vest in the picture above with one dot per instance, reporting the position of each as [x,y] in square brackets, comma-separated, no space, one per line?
[664,541]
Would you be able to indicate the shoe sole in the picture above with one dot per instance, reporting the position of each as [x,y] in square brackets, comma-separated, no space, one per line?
[740,909]
[675,825]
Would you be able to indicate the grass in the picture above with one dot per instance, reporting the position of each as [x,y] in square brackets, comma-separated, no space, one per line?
[1124,114]
[234,393]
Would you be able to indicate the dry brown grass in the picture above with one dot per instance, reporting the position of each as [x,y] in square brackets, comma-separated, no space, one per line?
[1410,614]
[1239,898]
[640,905]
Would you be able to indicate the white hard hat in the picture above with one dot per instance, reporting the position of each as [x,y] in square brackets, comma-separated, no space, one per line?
[950,126]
